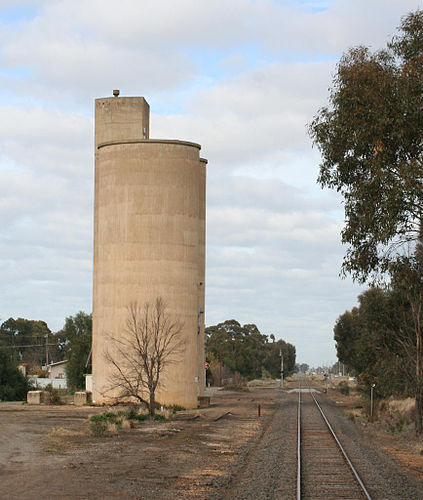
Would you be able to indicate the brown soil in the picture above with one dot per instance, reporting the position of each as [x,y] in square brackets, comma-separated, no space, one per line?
[50,452]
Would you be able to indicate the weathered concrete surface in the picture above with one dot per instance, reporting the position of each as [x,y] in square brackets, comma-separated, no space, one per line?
[37,397]
[80,398]
[149,241]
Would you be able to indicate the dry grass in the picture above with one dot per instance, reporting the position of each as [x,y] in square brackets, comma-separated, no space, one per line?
[112,429]
[395,415]
[404,406]
[167,413]
[127,424]
[66,432]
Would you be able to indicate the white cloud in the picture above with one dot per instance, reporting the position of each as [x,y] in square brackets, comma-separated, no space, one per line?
[243,78]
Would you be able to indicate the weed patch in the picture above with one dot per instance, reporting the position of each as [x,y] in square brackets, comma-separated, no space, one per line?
[344,388]
[109,423]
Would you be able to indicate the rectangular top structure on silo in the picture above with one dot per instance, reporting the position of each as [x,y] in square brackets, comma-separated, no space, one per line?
[121,119]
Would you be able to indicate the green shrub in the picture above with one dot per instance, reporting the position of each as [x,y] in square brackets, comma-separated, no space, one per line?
[108,418]
[54,396]
[176,408]
[145,416]
[131,415]
[98,427]
[344,388]
[103,423]
[100,424]
[13,385]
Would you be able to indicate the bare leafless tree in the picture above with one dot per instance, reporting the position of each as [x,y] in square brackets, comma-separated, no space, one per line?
[151,341]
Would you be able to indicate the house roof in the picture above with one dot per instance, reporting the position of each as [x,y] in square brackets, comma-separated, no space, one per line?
[58,363]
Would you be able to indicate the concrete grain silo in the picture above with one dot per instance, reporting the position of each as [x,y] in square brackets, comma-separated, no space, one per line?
[149,239]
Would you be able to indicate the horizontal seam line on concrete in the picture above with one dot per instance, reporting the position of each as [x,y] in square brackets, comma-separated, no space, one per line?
[150,141]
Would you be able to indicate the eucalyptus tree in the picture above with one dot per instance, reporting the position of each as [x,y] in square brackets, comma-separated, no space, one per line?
[371,140]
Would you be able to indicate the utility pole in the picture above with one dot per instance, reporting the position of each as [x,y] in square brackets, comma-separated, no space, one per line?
[46,350]
[281,355]
[371,400]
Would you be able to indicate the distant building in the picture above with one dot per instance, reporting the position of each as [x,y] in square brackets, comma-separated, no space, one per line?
[23,368]
[57,370]
[56,376]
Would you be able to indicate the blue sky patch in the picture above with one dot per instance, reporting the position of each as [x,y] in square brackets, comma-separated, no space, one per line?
[16,14]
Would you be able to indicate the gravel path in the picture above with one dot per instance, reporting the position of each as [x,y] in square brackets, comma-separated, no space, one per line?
[381,475]
[267,467]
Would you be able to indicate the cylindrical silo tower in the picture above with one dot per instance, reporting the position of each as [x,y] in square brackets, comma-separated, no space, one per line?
[149,240]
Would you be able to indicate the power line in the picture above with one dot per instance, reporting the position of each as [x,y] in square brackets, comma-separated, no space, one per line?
[26,345]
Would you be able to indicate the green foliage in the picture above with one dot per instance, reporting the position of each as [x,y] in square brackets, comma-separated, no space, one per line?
[106,423]
[13,385]
[100,423]
[157,417]
[16,335]
[132,414]
[371,140]
[303,367]
[98,428]
[108,417]
[176,408]
[344,388]
[75,338]
[370,341]
[370,137]
[245,350]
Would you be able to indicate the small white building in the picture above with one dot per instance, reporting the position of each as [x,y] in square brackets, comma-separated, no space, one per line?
[57,370]
[56,376]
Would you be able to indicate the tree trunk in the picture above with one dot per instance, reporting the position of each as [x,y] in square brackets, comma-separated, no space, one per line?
[419,385]
[419,409]
[152,405]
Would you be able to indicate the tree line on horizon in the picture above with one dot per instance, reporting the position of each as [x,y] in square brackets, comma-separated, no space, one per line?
[31,342]
[230,349]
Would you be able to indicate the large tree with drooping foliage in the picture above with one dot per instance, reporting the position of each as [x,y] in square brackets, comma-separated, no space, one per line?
[75,340]
[25,339]
[243,349]
[13,384]
[371,139]
[376,342]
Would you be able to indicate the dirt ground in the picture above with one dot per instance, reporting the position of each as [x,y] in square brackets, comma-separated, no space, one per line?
[50,452]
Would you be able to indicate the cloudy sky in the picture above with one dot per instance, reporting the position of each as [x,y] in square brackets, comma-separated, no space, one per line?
[241,77]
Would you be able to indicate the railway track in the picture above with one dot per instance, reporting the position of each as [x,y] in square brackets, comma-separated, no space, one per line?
[324,470]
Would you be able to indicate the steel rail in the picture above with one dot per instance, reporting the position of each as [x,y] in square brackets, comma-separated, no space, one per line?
[348,461]
[299,441]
